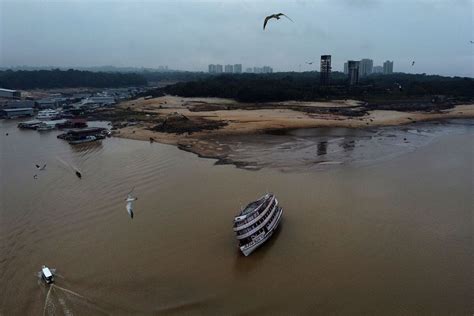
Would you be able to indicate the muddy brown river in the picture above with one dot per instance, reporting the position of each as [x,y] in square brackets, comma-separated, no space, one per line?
[372,224]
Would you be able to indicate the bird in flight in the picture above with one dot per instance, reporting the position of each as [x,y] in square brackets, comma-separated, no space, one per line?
[413,63]
[310,62]
[275,16]
[41,168]
[129,205]
[472,42]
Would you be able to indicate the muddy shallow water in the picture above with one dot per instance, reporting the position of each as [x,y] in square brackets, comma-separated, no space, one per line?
[373,224]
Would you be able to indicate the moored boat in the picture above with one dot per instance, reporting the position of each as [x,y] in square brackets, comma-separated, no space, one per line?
[86,139]
[48,114]
[257,222]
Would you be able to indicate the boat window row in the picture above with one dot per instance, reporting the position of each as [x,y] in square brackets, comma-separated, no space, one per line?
[256,214]
[271,222]
[248,241]
[256,224]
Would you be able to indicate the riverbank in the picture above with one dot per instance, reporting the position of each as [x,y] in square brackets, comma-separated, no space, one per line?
[199,125]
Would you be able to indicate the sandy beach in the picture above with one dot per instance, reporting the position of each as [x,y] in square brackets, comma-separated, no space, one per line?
[248,119]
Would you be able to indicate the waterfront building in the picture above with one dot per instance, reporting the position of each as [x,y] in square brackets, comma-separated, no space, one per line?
[18,112]
[218,69]
[10,94]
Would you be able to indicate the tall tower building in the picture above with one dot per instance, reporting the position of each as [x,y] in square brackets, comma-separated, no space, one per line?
[353,72]
[388,67]
[365,67]
[218,69]
[238,68]
[267,70]
[229,69]
[325,74]
[346,68]
[212,69]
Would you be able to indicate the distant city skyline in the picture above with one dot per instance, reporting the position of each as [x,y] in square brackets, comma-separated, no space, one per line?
[189,35]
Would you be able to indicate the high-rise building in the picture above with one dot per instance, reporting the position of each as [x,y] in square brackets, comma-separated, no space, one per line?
[267,69]
[325,70]
[346,68]
[365,67]
[257,70]
[353,72]
[377,70]
[250,70]
[218,69]
[229,69]
[238,68]
[212,69]
[388,67]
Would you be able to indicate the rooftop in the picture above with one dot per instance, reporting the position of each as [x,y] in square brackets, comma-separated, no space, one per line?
[7,90]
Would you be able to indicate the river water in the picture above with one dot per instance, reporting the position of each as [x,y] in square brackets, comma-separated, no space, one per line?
[391,235]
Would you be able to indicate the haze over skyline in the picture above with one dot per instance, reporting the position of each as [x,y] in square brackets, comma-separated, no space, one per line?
[189,35]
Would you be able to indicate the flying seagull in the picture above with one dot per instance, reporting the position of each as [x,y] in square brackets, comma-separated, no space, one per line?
[41,168]
[129,205]
[413,63]
[310,62]
[275,16]
[78,174]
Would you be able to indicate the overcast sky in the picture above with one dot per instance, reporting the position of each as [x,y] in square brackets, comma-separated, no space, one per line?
[190,34]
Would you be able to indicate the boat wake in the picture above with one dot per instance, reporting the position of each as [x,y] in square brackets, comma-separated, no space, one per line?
[61,301]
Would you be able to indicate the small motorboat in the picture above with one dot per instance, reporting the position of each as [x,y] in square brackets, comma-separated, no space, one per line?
[47,275]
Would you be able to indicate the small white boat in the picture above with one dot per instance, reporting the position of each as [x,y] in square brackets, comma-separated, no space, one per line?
[47,275]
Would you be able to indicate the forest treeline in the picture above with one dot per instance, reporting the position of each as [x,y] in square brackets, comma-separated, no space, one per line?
[47,79]
[306,87]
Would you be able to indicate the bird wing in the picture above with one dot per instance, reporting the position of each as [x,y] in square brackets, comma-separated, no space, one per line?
[129,208]
[37,166]
[266,20]
[281,14]
[44,167]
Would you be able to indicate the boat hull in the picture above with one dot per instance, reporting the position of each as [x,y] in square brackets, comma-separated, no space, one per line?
[247,250]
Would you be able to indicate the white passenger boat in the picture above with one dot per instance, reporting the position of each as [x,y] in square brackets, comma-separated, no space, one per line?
[256,223]
[47,115]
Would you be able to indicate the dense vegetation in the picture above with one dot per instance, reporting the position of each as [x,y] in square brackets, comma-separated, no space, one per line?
[46,79]
[306,87]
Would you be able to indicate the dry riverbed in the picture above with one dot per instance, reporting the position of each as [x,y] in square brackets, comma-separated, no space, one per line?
[194,124]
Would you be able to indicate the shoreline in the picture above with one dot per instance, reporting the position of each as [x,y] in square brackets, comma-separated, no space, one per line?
[235,121]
